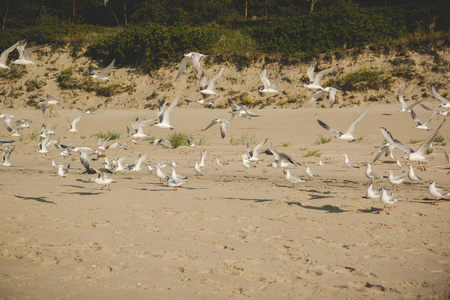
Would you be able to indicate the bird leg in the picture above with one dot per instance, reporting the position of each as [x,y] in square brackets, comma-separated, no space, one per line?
[103,187]
[109,187]
[389,212]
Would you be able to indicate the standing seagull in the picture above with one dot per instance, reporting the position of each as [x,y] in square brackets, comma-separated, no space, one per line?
[370,174]
[208,89]
[164,117]
[5,54]
[73,126]
[193,57]
[50,101]
[395,180]
[62,171]
[310,173]
[387,200]
[412,176]
[438,193]
[419,154]
[290,178]
[25,54]
[371,193]
[348,135]
[282,160]
[223,124]
[348,163]
[103,74]
[270,87]
[314,80]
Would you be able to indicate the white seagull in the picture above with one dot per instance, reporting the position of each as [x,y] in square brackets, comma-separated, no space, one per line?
[202,159]
[445,102]
[348,163]
[197,168]
[25,54]
[164,117]
[419,154]
[310,173]
[282,160]
[331,95]
[161,174]
[193,57]
[269,87]
[254,154]
[348,135]
[314,79]
[395,180]
[24,123]
[139,128]
[437,192]
[6,155]
[73,126]
[371,193]
[138,163]
[49,102]
[387,200]
[404,107]
[412,176]
[5,54]
[103,74]
[62,171]
[424,125]
[103,178]
[245,162]
[290,178]
[370,174]
[223,124]
[208,89]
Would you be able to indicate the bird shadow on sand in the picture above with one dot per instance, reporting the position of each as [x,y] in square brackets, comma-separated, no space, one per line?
[369,210]
[38,199]
[74,186]
[85,193]
[246,199]
[84,181]
[328,208]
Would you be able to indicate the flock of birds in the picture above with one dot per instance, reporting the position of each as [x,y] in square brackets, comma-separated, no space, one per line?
[163,120]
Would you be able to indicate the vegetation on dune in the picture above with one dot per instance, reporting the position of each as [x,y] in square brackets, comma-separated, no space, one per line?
[149,34]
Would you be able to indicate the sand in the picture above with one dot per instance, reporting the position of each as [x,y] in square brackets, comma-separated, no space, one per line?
[225,233]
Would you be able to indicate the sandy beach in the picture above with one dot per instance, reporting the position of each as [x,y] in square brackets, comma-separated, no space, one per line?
[226,233]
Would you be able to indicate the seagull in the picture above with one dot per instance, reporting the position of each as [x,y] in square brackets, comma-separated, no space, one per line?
[447,158]
[348,135]
[395,180]
[370,174]
[202,159]
[371,193]
[139,128]
[269,87]
[87,111]
[164,117]
[24,123]
[282,160]
[43,144]
[208,89]
[438,193]
[386,150]
[193,57]
[197,168]
[398,163]
[331,93]
[445,102]
[160,174]
[50,101]
[175,176]
[62,171]
[223,124]
[138,163]
[218,163]
[73,126]
[314,80]
[103,74]
[46,130]
[6,155]
[441,112]
[25,54]
[412,176]
[245,162]
[5,54]
[419,154]
[162,142]
[254,154]
[203,101]
[102,145]
[290,178]
[320,163]
[310,173]
[103,178]
[121,166]
[387,200]
[84,159]
[63,150]
[118,145]
[348,163]
[190,143]
[400,98]
[424,125]
[240,110]
[174,182]
[7,122]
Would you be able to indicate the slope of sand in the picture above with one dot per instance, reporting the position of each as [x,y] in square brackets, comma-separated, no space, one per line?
[226,233]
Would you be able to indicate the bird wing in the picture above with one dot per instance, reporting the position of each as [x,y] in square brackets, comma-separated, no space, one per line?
[263,76]
[318,77]
[108,69]
[168,112]
[212,83]
[316,96]
[414,104]
[82,110]
[203,157]
[258,147]
[92,71]
[328,127]
[428,120]
[74,123]
[182,67]
[382,151]
[223,128]
[400,98]
[352,127]
[388,136]
[447,158]
[84,159]
[332,95]
[278,80]
[213,122]
[310,72]
[161,106]
[4,55]
[428,141]
[196,62]
[436,95]
[27,52]
[203,81]
[415,118]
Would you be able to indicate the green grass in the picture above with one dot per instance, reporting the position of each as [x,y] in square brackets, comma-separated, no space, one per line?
[428,151]
[439,139]
[113,134]
[245,137]
[322,140]
[312,153]
[178,139]
[34,136]
[285,144]
[415,141]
